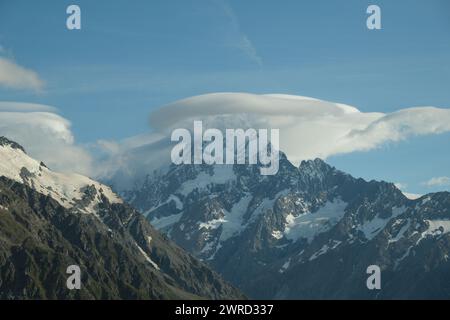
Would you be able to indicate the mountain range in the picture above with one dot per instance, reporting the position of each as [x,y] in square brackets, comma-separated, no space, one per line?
[187,231]
[309,232]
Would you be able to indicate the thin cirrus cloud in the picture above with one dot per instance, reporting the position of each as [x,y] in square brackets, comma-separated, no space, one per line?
[15,76]
[45,135]
[238,39]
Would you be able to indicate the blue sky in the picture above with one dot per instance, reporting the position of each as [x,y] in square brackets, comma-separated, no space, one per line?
[131,58]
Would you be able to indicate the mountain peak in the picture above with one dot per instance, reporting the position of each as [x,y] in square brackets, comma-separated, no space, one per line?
[316,165]
[6,142]
[69,189]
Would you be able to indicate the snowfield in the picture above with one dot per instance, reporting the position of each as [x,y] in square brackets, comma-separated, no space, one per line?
[310,224]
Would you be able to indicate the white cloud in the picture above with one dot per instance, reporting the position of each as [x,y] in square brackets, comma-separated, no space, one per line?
[14,76]
[126,162]
[46,136]
[438,182]
[309,128]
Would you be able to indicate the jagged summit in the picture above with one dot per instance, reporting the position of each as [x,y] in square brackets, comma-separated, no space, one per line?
[317,162]
[316,165]
[6,142]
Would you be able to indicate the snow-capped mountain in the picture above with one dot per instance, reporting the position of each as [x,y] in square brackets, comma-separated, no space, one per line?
[308,232]
[49,221]
[72,191]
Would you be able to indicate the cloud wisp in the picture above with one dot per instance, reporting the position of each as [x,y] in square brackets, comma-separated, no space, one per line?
[437,182]
[15,76]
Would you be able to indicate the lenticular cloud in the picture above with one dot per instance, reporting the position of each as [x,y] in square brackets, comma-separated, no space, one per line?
[309,127]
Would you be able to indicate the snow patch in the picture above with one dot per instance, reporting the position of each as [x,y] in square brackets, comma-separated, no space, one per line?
[321,251]
[148,258]
[277,234]
[308,225]
[403,257]
[376,225]
[436,227]
[285,266]
[165,222]
[266,204]
[178,203]
[222,174]
[401,232]
[233,222]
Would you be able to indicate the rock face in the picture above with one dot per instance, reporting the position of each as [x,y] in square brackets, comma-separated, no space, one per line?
[308,232]
[49,221]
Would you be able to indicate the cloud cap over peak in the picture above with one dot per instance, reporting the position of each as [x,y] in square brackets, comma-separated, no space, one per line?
[309,127]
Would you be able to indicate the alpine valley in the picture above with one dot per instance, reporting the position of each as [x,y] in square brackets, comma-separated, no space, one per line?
[49,221]
[308,232]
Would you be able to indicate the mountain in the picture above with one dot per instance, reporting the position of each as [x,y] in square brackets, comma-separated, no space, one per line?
[49,221]
[308,232]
